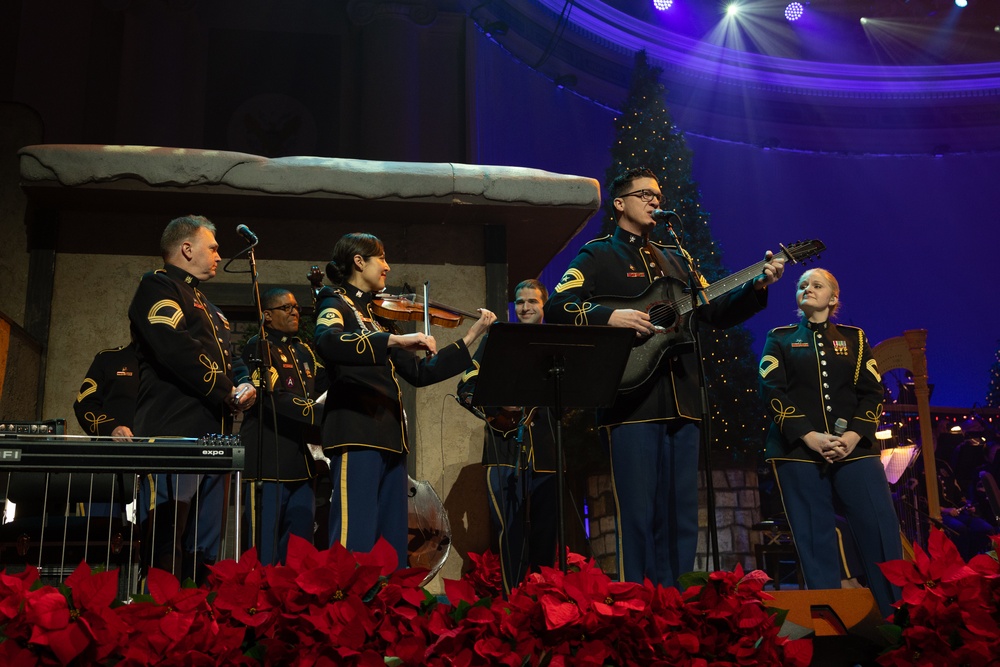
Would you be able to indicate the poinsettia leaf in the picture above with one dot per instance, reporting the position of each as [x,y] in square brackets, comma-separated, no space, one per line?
[798,653]
[559,613]
[692,579]
[96,590]
[47,609]
[382,555]
[69,642]
[898,572]
[161,584]
[301,553]
[459,590]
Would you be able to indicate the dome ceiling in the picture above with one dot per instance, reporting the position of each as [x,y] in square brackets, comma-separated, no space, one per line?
[931,85]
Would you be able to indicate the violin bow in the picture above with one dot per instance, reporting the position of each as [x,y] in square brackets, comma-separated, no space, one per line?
[427,314]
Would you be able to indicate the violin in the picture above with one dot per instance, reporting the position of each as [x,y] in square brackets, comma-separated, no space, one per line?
[409,307]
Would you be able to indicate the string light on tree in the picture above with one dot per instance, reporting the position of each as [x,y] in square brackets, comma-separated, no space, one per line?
[993,390]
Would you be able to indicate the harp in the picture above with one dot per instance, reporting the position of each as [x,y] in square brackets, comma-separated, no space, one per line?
[908,353]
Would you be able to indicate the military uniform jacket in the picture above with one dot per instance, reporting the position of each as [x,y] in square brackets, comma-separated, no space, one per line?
[500,446]
[291,417]
[364,403]
[811,375]
[620,265]
[186,369]
[108,393]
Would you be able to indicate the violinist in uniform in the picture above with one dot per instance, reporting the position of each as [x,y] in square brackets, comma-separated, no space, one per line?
[189,386]
[105,405]
[364,429]
[823,391]
[284,466]
[519,455]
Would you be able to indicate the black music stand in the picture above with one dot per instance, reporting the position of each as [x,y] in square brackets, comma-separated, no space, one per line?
[553,365]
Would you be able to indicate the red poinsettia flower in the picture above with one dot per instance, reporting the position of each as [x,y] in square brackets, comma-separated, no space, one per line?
[485,575]
[934,572]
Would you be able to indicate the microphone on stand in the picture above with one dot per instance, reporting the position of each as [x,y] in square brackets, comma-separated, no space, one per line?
[664,216]
[247,235]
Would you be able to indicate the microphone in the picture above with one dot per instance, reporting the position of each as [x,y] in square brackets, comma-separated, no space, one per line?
[245,232]
[664,216]
[839,428]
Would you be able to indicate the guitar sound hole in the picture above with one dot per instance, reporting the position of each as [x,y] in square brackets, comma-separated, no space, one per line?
[662,315]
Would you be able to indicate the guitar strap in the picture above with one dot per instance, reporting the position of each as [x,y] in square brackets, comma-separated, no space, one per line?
[661,261]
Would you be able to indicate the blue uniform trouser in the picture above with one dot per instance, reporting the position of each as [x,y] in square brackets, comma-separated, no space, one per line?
[191,506]
[859,487]
[654,478]
[369,500]
[273,513]
[522,546]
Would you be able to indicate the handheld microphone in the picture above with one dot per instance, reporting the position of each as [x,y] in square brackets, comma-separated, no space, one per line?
[245,232]
[664,216]
[839,428]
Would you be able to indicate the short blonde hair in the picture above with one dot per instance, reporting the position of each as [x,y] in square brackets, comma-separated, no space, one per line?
[829,278]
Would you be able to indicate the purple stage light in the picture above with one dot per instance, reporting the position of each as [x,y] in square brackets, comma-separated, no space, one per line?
[662,5]
[793,12]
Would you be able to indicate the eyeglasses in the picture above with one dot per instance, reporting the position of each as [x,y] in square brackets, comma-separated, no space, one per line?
[287,308]
[644,195]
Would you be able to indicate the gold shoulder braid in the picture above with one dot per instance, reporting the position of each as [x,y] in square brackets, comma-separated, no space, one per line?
[369,324]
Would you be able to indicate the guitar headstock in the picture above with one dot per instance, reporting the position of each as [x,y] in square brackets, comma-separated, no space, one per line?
[802,251]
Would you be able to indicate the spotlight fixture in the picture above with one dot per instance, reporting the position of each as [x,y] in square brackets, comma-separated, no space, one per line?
[961,3]
[793,12]
[662,5]
[732,9]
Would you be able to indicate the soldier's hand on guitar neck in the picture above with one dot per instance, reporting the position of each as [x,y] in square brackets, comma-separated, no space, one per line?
[634,319]
[771,272]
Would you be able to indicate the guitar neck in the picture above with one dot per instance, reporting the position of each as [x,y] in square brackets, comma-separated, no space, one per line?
[725,285]
[719,288]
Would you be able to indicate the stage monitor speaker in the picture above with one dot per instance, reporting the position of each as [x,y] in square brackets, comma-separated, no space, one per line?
[843,623]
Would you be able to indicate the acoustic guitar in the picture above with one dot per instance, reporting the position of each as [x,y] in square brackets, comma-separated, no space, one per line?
[668,302]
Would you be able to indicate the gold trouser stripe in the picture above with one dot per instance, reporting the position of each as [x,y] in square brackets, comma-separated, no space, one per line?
[152,491]
[840,537]
[343,499]
[843,556]
[252,502]
[618,513]
[503,528]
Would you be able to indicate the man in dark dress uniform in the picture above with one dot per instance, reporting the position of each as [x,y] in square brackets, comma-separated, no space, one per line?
[652,432]
[105,405]
[189,386]
[519,454]
[284,503]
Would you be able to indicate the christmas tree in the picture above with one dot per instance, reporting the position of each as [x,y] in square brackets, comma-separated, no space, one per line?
[993,391]
[647,137]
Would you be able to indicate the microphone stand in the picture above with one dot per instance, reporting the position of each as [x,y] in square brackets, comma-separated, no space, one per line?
[262,362]
[698,297]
